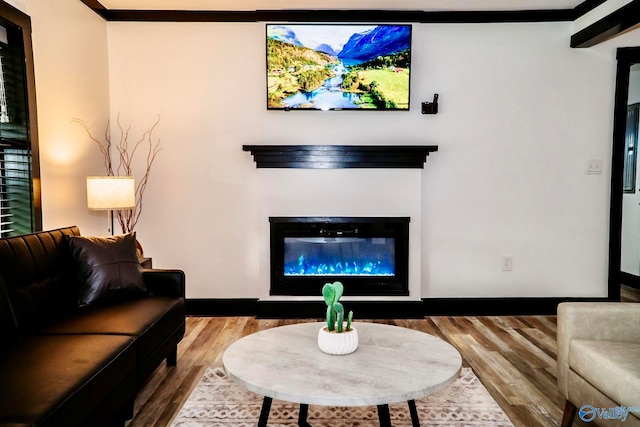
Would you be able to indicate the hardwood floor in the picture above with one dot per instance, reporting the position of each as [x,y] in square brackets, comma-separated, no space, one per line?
[514,357]
[629,294]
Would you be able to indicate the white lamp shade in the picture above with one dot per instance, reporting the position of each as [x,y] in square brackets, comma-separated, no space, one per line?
[111,192]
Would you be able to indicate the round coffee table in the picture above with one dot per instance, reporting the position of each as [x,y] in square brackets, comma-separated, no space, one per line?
[392,364]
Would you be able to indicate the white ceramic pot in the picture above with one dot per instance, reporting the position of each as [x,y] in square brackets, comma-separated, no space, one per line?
[336,343]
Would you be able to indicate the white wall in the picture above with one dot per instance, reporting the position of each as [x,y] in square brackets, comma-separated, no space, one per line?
[520,114]
[71,70]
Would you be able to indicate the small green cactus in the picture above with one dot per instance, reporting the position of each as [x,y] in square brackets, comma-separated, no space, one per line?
[335,311]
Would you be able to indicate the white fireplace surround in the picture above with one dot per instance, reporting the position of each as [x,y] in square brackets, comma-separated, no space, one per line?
[347,193]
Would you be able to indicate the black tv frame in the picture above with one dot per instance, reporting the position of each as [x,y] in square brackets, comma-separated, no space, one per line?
[350,24]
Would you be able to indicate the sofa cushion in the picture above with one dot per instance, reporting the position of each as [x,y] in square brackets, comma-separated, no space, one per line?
[151,319]
[610,366]
[108,268]
[38,277]
[8,328]
[60,380]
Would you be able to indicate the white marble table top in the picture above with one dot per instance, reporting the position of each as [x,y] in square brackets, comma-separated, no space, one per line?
[392,364]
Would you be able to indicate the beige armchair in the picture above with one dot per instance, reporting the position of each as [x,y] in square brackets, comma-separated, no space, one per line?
[599,362]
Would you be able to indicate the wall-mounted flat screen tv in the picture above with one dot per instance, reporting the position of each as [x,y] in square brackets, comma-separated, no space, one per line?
[338,67]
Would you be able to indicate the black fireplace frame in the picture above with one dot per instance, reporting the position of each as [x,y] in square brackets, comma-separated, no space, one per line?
[389,227]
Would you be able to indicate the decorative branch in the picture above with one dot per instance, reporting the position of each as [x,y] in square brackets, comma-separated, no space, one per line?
[128,218]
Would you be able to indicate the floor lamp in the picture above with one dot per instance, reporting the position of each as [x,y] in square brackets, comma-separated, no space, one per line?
[109,193]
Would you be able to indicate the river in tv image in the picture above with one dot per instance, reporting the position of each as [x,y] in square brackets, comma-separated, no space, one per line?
[328,96]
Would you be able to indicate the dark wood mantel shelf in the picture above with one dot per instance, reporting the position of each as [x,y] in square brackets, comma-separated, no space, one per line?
[340,156]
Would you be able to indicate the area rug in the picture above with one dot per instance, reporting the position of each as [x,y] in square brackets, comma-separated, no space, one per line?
[217,401]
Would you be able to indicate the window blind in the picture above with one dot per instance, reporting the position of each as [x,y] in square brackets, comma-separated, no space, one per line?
[15,191]
[631,149]
[16,177]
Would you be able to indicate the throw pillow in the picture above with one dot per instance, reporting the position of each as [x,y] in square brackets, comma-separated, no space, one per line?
[108,268]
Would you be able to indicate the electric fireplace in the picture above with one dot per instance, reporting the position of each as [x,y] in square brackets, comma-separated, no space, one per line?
[369,255]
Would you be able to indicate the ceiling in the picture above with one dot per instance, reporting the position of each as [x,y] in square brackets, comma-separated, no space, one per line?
[425,5]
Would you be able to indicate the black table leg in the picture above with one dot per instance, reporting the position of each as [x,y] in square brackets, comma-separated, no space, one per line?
[415,421]
[302,415]
[264,412]
[383,416]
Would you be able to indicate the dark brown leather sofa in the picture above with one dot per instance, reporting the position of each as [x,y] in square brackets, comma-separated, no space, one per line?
[61,365]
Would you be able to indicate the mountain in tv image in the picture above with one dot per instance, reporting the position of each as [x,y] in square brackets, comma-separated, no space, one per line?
[283,34]
[325,48]
[333,67]
[380,41]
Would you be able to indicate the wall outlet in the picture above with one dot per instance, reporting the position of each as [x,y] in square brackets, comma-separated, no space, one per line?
[593,167]
[507,263]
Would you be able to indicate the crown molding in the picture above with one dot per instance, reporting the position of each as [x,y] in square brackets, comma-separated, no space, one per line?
[614,24]
[336,15]
[339,15]
[617,22]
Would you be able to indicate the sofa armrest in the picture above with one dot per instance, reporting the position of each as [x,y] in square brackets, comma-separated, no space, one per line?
[599,321]
[165,282]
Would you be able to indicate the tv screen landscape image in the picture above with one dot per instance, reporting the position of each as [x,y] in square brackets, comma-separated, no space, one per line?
[338,67]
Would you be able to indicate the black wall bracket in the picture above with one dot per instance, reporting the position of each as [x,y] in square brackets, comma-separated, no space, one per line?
[430,107]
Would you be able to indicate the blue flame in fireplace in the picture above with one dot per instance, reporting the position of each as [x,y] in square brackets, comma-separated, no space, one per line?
[339,256]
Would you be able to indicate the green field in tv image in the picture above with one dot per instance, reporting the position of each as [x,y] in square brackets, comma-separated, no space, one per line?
[338,67]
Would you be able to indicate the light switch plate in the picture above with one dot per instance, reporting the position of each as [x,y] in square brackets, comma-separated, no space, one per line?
[593,167]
